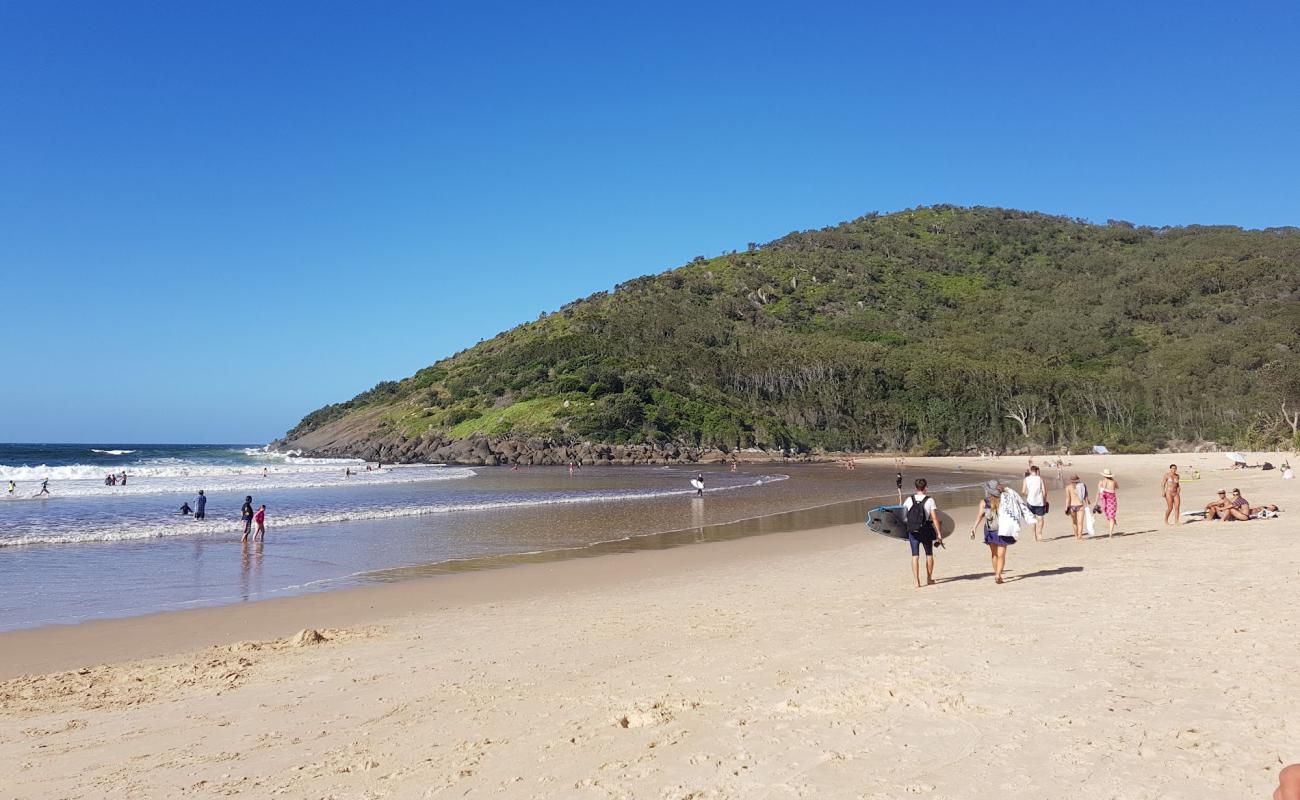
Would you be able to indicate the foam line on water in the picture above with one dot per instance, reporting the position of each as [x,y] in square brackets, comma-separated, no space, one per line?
[187,526]
[83,480]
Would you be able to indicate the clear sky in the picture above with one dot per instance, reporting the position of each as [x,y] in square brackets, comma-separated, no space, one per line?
[216,217]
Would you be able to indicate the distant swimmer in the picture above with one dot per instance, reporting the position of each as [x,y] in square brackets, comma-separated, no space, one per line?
[200,506]
[347,473]
[124,477]
[185,509]
[263,472]
[260,519]
[246,514]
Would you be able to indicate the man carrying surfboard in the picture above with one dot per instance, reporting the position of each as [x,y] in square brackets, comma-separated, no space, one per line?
[921,516]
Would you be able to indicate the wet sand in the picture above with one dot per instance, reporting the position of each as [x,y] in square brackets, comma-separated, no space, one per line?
[1159,663]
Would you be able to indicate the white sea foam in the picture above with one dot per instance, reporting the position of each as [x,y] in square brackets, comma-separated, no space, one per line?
[112,452]
[187,526]
[168,476]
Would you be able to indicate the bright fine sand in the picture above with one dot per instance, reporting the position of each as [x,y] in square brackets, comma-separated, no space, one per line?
[1162,663]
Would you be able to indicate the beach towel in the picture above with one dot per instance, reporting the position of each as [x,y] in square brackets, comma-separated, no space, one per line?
[1088,527]
[1012,513]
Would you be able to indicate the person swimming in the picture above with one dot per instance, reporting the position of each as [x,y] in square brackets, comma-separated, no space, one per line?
[185,509]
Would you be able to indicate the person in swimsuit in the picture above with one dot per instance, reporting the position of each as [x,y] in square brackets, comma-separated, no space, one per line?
[260,519]
[45,488]
[1170,490]
[1238,508]
[1076,497]
[989,517]
[1108,499]
[246,514]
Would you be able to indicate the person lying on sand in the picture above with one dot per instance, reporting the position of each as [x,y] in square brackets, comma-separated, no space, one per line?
[1266,511]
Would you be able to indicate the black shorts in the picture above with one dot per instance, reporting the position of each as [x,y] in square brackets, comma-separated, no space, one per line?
[1039,511]
[917,541]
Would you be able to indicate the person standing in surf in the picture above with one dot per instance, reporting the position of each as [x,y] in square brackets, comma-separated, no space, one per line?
[1107,498]
[45,488]
[260,519]
[921,518]
[1035,494]
[246,514]
[698,483]
[988,515]
[200,505]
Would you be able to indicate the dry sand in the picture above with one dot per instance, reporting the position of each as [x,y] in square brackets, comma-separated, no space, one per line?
[1162,663]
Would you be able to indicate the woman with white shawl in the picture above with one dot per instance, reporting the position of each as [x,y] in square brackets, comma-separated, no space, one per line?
[1003,512]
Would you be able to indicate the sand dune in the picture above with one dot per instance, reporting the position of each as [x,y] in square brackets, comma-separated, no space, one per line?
[1157,664]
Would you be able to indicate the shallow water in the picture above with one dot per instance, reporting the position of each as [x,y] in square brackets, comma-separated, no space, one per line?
[85,554]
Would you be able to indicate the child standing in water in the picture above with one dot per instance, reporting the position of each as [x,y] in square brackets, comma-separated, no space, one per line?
[260,519]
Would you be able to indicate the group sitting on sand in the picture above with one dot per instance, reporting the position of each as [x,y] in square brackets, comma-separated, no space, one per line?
[1237,508]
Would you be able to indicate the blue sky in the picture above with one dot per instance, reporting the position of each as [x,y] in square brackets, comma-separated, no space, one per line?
[215,218]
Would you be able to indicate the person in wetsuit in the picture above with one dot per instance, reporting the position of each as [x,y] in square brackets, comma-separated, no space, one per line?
[201,505]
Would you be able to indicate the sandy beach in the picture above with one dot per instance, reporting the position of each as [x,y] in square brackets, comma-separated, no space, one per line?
[1160,663]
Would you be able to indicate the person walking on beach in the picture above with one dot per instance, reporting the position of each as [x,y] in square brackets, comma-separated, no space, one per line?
[246,514]
[200,504]
[1172,493]
[1108,499]
[1076,500]
[1035,494]
[988,515]
[921,520]
[260,519]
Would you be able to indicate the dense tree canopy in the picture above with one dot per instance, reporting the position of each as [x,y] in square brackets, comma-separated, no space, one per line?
[935,329]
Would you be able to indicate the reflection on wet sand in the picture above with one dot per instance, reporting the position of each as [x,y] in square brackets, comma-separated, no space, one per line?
[837,513]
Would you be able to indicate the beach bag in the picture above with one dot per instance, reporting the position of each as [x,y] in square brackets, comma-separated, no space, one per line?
[1087,521]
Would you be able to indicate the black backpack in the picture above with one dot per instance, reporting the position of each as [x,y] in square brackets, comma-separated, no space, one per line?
[917,520]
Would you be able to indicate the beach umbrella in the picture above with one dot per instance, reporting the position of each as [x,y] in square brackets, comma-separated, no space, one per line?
[1238,457]
[1100,449]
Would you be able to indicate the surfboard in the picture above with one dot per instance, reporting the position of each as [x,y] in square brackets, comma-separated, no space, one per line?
[889,521]
[697,484]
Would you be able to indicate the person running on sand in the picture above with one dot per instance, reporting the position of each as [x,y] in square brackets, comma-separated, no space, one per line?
[45,488]
[1108,499]
[260,519]
[989,516]
[1035,494]
[921,519]
[1076,498]
[246,514]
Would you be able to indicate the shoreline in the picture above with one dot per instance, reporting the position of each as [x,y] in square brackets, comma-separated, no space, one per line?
[794,664]
[57,646]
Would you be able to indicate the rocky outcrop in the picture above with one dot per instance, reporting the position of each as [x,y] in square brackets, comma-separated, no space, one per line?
[485,450]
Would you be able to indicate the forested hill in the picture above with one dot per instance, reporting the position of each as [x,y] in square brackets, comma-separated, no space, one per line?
[934,329]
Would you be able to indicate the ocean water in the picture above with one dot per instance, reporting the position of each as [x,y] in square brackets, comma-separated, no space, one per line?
[87,551]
